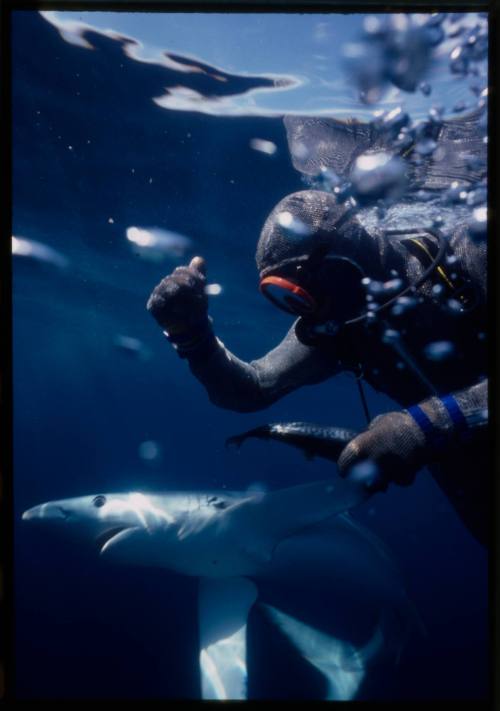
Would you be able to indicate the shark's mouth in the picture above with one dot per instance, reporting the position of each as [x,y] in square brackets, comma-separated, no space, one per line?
[106,536]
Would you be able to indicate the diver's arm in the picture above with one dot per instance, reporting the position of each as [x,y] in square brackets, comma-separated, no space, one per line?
[465,418]
[401,443]
[180,306]
[245,387]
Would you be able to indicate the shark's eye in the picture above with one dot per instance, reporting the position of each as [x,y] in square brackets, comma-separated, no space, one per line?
[216,502]
[99,501]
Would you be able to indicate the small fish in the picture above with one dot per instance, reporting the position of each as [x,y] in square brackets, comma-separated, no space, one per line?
[313,440]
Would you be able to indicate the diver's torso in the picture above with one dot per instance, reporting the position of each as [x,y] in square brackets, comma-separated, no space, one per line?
[435,342]
[463,473]
[428,347]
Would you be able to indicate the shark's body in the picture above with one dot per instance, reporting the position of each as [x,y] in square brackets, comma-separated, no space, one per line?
[288,545]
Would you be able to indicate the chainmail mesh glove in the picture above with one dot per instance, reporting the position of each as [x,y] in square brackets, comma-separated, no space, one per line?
[395,447]
[179,304]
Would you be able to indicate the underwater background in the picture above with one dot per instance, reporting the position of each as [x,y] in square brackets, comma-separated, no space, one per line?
[114,141]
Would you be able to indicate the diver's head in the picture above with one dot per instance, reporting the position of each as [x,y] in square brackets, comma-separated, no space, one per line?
[306,262]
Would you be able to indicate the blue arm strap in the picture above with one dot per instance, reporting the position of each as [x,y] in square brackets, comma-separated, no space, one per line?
[455,413]
[434,437]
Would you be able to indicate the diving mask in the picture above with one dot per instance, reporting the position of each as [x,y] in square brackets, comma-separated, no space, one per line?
[288,296]
[317,288]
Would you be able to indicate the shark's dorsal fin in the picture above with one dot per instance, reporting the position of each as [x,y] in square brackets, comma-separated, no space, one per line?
[223,607]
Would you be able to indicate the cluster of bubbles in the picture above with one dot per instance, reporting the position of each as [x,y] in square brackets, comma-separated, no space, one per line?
[378,293]
[472,47]
[395,49]
[399,50]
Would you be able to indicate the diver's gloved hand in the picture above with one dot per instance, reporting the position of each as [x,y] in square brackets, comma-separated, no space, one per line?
[180,306]
[392,449]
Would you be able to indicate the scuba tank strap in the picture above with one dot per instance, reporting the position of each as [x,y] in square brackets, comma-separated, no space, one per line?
[425,250]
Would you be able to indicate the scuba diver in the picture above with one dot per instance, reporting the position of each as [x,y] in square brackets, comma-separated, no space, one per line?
[399,302]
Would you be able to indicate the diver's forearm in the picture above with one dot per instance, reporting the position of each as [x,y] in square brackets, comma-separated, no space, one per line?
[230,382]
[446,420]
[233,384]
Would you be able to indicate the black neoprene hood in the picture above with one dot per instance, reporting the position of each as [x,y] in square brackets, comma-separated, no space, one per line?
[299,225]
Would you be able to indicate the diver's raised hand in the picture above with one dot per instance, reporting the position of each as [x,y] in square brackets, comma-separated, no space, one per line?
[179,300]
[179,303]
[392,449]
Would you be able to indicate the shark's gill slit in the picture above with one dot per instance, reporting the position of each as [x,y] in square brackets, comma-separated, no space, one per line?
[107,535]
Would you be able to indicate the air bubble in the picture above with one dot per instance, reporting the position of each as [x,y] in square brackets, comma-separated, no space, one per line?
[439,350]
[150,451]
[394,120]
[436,19]
[477,197]
[390,335]
[426,146]
[213,289]
[459,60]
[454,306]
[403,305]
[455,31]
[292,225]
[478,223]
[263,146]
[378,175]
[434,35]
[366,471]
[436,113]
[456,193]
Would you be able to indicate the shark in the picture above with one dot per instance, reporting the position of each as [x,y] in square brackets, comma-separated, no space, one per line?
[277,550]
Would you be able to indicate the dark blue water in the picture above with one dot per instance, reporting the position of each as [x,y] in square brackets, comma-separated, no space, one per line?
[93,155]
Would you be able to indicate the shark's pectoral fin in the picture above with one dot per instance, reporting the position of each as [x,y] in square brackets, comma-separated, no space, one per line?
[342,664]
[279,514]
[224,605]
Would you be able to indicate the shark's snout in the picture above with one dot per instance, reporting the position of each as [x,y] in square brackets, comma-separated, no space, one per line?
[48,512]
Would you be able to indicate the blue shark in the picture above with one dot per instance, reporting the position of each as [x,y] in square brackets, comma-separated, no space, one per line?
[245,546]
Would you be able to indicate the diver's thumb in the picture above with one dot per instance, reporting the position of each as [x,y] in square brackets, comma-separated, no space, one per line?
[198,263]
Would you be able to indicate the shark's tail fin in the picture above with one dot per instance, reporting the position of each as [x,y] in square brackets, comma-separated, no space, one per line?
[342,664]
